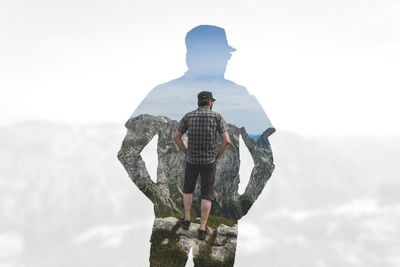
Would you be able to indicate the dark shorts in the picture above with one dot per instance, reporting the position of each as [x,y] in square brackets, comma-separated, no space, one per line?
[207,175]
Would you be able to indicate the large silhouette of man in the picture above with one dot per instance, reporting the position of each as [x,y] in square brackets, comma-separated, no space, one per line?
[208,53]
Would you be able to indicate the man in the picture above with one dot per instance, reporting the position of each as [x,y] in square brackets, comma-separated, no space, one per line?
[202,126]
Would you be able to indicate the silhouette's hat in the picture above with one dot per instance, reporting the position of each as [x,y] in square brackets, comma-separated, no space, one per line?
[205,95]
[204,38]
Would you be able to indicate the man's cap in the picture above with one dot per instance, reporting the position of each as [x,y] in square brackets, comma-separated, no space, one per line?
[205,38]
[205,95]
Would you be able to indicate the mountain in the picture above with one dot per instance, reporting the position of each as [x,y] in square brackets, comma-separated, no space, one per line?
[166,194]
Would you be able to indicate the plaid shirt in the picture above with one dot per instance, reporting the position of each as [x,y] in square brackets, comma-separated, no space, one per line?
[202,126]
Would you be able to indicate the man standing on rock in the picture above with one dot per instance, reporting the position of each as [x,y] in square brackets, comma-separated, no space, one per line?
[202,126]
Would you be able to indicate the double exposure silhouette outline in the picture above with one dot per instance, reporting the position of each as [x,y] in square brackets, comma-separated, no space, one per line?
[207,56]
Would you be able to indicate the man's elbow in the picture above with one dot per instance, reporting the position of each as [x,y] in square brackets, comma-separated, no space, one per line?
[227,142]
[177,136]
[225,139]
[122,156]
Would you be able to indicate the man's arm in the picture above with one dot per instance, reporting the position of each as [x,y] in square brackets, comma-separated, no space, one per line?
[262,170]
[139,134]
[225,143]
[178,140]
[181,129]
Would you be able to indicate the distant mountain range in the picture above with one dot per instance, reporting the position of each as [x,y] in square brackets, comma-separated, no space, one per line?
[65,200]
[254,137]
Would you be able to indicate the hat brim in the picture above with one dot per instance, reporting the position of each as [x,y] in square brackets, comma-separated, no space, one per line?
[231,49]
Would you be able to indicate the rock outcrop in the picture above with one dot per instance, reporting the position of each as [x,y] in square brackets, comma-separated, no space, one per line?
[166,193]
[219,246]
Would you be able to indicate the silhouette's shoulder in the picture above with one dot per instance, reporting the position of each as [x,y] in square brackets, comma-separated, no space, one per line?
[235,85]
[166,90]
[171,83]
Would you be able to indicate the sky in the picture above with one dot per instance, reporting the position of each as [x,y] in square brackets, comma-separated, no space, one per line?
[316,67]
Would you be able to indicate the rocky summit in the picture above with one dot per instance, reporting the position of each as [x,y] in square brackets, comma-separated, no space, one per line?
[166,193]
[218,247]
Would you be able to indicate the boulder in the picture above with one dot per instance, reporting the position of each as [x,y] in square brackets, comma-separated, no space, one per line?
[166,224]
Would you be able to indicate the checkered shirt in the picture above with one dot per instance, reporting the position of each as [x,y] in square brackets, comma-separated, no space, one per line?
[202,126]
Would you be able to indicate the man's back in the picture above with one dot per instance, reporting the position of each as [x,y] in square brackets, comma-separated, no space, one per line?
[203,126]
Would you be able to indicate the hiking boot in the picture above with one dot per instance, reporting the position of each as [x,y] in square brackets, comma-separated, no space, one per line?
[202,234]
[184,224]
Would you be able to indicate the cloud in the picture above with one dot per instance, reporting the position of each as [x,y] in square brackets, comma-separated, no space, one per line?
[251,239]
[107,235]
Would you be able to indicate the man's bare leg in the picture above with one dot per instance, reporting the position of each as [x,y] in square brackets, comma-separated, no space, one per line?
[187,205]
[205,211]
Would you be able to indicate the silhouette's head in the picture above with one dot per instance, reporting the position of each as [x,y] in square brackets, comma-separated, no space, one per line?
[205,98]
[208,51]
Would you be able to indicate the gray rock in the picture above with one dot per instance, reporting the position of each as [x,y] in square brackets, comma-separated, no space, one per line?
[219,253]
[223,233]
[220,240]
[225,230]
[192,232]
[186,243]
[165,223]
[231,245]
